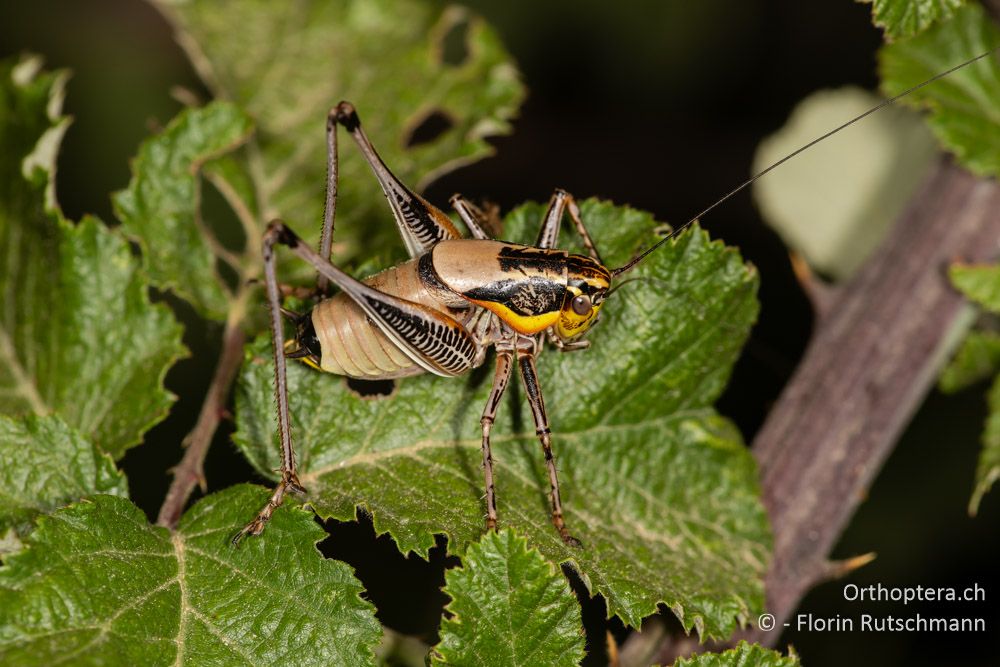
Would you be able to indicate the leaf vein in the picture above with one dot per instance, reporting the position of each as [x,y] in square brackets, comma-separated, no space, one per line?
[22,383]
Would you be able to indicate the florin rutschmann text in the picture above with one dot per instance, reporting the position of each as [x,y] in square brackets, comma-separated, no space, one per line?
[887,623]
[924,621]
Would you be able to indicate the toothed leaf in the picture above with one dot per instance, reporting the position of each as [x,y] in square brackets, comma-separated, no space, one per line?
[160,209]
[980,284]
[78,335]
[988,470]
[963,105]
[96,584]
[509,606]
[977,359]
[45,464]
[904,18]
[744,655]
[399,61]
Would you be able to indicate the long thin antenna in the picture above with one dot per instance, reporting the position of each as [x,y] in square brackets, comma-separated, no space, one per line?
[638,258]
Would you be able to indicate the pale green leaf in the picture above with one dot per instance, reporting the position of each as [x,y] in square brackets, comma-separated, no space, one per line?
[744,655]
[904,18]
[977,359]
[658,487]
[509,606]
[45,464]
[399,650]
[839,200]
[96,584]
[78,335]
[988,470]
[160,209]
[980,283]
[965,105]
[288,64]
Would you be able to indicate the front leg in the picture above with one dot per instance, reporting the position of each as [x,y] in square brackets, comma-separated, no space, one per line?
[473,218]
[566,346]
[529,376]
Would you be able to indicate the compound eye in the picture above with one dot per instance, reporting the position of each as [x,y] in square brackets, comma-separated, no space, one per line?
[581,304]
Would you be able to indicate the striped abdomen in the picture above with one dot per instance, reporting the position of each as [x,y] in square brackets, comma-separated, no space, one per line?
[352,345]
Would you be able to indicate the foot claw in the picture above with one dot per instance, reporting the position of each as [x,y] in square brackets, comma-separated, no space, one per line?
[566,537]
[254,528]
[293,484]
[289,482]
[571,541]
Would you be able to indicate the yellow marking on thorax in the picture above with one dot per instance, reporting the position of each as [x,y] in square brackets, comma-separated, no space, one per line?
[525,324]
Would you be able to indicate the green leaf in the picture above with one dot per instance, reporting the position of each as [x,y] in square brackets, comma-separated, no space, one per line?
[78,335]
[978,358]
[96,584]
[980,283]
[658,487]
[863,181]
[45,464]
[160,209]
[988,470]
[287,64]
[744,655]
[905,18]
[509,606]
[965,105]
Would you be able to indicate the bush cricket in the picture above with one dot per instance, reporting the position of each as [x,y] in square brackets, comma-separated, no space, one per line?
[455,297]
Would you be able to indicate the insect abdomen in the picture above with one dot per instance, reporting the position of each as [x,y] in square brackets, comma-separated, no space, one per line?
[352,345]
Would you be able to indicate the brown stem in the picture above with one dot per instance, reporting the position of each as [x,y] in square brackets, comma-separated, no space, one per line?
[190,471]
[872,360]
[864,375]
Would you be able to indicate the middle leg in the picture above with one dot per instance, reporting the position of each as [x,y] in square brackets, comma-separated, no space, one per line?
[470,214]
[500,379]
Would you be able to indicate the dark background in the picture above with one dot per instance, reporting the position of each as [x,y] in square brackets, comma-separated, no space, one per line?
[655,104]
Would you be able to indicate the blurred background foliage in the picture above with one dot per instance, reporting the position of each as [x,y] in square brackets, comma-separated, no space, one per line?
[658,104]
